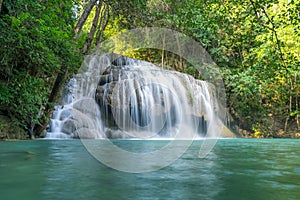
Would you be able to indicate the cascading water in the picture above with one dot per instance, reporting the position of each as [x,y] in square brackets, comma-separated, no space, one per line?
[79,116]
[119,97]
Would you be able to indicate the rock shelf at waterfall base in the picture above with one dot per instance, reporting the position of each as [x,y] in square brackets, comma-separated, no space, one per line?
[114,96]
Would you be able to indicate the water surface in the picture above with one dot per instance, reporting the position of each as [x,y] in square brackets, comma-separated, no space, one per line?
[235,169]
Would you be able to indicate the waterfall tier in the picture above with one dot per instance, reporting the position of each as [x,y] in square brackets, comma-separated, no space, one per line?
[115,96]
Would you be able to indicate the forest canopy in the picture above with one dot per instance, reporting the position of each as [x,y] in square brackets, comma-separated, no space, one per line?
[256,44]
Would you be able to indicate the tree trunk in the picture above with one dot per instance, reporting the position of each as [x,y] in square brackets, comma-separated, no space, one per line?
[83,17]
[297,103]
[89,40]
[53,98]
[180,66]
[163,51]
[103,23]
[1,1]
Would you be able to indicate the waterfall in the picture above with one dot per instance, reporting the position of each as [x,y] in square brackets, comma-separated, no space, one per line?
[114,96]
[79,115]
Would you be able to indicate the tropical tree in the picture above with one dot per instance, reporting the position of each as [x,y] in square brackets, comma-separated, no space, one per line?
[38,56]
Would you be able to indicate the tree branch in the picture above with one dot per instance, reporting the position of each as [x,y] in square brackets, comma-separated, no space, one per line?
[91,36]
[268,27]
[83,17]
[103,23]
[1,1]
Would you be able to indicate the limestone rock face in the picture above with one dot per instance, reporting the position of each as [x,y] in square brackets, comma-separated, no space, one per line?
[76,123]
[129,91]
[119,97]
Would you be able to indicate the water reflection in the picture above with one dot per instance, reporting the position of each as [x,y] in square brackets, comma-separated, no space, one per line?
[21,170]
[187,178]
[72,172]
[262,169]
[235,169]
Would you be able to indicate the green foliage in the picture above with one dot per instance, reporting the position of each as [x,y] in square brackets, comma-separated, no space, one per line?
[37,43]
[36,36]
[134,13]
[255,43]
[23,98]
[263,89]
